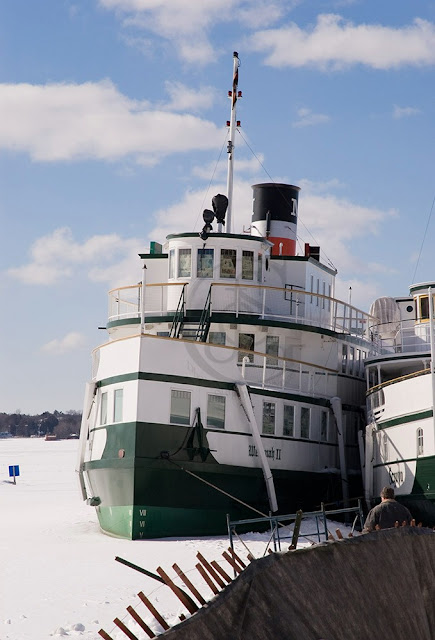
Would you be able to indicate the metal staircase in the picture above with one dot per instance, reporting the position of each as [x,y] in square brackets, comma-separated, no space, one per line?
[190,327]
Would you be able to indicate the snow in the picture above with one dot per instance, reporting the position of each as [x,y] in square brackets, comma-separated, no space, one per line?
[59,574]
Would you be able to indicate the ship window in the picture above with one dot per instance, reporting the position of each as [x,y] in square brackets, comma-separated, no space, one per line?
[269,417]
[323,426]
[288,428]
[217,337]
[246,343]
[351,360]
[184,263]
[329,297]
[318,291]
[312,288]
[424,307]
[117,405]
[180,406]
[324,293]
[260,268]
[247,265]
[420,442]
[103,411]
[305,422]
[228,263]
[216,412]
[204,268]
[172,263]
[272,346]
[385,446]
[344,358]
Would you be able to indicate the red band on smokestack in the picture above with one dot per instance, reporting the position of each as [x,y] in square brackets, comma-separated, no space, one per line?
[288,246]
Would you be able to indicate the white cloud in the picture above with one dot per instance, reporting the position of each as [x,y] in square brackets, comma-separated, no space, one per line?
[307,118]
[69,342]
[57,256]
[184,98]
[187,25]
[57,122]
[404,112]
[334,43]
[219,171]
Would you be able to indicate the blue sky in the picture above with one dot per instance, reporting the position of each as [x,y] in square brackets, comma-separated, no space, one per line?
[112,123]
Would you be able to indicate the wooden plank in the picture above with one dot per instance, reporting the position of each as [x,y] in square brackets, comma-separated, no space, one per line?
[104,635]
[207,578]
[185,599]
[141,623]
[125,629]
[232,562]
[236,558]
[339,534]
[219,569]
[214,574]
[182,617]
[160,619]
[188,584]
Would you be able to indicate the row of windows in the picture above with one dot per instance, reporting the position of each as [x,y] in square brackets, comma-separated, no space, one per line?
[352,360]
[295,421]
[247,343]
[205,259]
[324,302]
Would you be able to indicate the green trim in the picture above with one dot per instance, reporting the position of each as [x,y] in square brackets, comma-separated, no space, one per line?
[411,417]
[148,320]
[152,256]
[160,377]
[398,356]
[389,463]
[322,402]
[236,236]
[424,286]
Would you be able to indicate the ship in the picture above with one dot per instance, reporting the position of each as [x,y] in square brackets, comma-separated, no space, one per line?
[400,431]
[232,380]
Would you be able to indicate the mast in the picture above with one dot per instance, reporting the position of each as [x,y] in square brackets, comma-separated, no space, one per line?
[233,94]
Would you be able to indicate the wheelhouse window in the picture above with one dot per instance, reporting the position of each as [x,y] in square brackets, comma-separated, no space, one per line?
[103,410]
[217,337]
[204,265]
[228,263]
[288,428]
[272,347]
[247,265]
[305,422]
[246,343]
[323,426]
[172,263]
[184,263]
[269,417]
[117,405]
[419,442]
[216,412]
[180,406]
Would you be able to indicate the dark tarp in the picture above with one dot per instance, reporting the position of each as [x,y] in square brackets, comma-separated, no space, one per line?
[379,585]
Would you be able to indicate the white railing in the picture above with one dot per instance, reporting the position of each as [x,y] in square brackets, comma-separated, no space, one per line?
[125,302]
[286,374]
[406,336]
[268,303]
[292,305]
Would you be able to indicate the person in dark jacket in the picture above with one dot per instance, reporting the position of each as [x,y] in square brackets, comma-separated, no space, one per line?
[387,513]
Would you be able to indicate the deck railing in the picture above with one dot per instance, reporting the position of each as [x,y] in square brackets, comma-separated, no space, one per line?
[268,303]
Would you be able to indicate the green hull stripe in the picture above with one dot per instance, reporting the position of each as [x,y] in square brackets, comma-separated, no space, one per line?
[412,417]
[399,356]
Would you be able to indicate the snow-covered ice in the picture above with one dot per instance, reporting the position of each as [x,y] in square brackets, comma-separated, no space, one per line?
[59,577]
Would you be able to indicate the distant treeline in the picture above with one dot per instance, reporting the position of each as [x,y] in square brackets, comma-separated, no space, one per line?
[62,424]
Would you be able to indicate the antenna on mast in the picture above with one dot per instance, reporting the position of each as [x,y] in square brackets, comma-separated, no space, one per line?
[232,123]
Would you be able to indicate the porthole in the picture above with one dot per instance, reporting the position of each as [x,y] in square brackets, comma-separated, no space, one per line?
[410,308]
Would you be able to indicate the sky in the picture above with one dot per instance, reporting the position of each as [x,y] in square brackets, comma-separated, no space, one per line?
[113,134]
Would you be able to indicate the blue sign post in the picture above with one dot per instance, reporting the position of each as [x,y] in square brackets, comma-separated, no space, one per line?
[14,472]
